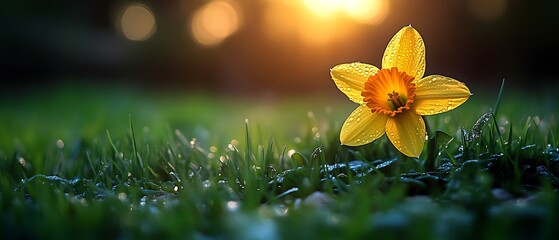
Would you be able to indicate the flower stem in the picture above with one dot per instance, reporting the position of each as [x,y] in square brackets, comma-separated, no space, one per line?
[429,164]
[427,128]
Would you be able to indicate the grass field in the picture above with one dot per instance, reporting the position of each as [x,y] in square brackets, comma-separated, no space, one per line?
[99,163]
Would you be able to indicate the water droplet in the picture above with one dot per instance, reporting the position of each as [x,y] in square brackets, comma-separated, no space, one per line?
[60,144]
[232,205]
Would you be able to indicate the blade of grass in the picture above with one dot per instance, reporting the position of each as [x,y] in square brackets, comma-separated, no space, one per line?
[115,154]
[137,165]
[498,101]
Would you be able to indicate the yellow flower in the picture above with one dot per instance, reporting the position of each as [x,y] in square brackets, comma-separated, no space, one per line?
[393,99]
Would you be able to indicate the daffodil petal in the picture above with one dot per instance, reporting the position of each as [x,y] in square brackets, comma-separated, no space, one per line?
[406,51]
[362,127]
[351,77]
[406,131]
[437,94]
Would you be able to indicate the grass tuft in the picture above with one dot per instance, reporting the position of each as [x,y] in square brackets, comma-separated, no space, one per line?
[184,174]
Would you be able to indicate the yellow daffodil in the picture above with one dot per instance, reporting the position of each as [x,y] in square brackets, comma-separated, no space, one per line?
[393,99]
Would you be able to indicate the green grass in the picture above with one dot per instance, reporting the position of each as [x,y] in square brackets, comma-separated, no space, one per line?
[129,165]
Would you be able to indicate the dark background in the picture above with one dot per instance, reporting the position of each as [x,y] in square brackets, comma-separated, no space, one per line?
[43,43]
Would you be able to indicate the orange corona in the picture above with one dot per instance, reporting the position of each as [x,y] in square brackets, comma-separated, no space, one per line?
[398,86]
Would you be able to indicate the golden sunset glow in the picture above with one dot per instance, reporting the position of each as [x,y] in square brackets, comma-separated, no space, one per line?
[323,8]
[319,22]
[362,11]
[367,11]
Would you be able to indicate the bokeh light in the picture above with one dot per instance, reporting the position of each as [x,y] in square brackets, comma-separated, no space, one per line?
[488,10]
[268,46]
[137,22]
[214,22]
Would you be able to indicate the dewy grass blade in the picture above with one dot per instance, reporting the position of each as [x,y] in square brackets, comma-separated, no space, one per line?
[193,193]
[136,161]
[498,101]
[248,153]
[116,153]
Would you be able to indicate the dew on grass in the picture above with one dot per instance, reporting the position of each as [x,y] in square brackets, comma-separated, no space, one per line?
[206,184]
[22,161]
[59,144]
[233,205]
[213,149]
[122,197]
[314,129]
[280,210]
[528,146]
[291,152]
[175,176]
[478,126]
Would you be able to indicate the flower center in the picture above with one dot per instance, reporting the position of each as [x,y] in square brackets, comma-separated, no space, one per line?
[398,86]
[396,100]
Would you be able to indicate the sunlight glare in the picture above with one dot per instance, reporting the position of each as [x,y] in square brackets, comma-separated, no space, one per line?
[137,22]
[314,31]
[367,11]
[321,22]
[323,8]
[279,21]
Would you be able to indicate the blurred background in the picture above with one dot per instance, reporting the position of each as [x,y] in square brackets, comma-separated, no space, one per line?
[263,48]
